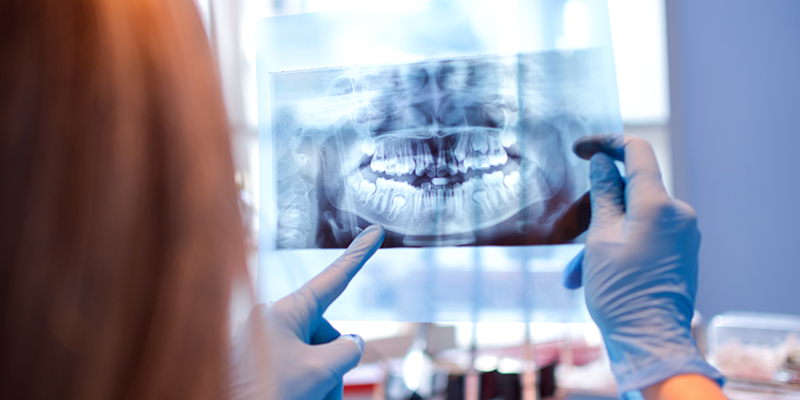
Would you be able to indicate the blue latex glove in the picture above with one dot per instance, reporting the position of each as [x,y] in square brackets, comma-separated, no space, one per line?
[639,266]
[288,351]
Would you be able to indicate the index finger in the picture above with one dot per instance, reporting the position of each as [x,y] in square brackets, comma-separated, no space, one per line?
[331,282]
[642,173]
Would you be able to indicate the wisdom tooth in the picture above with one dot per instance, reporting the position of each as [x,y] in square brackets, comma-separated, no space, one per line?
[508,138]
[368,146]
[353,182]
[365,191]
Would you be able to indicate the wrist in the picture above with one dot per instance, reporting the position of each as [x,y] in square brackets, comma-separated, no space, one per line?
[642,360]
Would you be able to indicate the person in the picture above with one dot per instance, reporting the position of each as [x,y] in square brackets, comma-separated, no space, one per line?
[639,269]
[121,238]
[120,234]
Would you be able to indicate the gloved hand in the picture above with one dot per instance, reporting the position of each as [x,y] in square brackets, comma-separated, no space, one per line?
[639,266]
[288,351]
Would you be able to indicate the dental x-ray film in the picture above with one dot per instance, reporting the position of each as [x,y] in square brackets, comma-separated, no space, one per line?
[449,123]
[454,151]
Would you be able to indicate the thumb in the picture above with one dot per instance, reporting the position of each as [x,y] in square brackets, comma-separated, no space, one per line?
[340,355]
[572,278]
[608,191]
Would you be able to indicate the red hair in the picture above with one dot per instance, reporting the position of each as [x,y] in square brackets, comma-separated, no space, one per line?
[119,226]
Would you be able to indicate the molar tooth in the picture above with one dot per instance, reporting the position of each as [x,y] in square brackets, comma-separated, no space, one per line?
[430,166]
[462,143]
[479,142]
[469,163]
[398,203]
[406,160]
[508,138]
[482,161]
[419,158]
[497,154]
[378,164]
[488,183]
[494,184]
[391,160]
[365,191]
[512,183]
[462,168]
[481,199]
[382,194]
[368,146]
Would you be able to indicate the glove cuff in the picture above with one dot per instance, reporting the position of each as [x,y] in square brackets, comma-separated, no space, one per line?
[665,369]
[639,362]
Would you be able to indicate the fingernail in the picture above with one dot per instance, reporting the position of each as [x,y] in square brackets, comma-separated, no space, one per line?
[357,340]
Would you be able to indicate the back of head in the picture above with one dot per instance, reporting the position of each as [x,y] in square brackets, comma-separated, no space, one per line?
[119,227]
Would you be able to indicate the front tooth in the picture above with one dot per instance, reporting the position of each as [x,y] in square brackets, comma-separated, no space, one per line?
[378,164]
[512,183]
[508,138]
[458,198]
[428,202]
[449,202]
[416,200]
[368,146]
[441,163]
[365,191]
[479,142]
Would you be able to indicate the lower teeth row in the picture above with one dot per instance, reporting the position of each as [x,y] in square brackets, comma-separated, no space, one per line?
[490,194]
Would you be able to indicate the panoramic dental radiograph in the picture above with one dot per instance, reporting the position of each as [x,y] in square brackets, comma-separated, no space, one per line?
[467,151]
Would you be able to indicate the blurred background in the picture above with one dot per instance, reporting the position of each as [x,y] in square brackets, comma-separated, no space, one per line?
[713,85]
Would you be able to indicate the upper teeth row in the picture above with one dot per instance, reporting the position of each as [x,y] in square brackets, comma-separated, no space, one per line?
[474,150]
